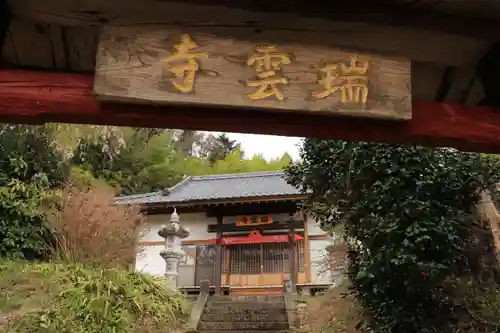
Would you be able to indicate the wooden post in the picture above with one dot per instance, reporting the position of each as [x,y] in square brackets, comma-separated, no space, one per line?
[307,258]
[228,266]
[292,264]
[218,258]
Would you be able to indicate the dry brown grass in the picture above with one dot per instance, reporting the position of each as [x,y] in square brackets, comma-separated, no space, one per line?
[334,312]
[90,228]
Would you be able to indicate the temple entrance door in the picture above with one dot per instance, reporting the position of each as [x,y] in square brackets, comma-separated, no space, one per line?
[266,264]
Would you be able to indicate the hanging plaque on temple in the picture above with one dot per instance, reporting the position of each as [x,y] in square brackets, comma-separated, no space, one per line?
[242,221]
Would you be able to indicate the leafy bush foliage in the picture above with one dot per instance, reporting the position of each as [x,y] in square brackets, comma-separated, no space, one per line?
[406,215]
[30,168]
[90,228]
[60,298]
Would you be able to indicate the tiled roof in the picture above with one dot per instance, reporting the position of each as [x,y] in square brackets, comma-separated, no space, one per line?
[218,187]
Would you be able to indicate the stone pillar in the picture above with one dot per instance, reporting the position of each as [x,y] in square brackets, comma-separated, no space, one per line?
[173,233]
[301,317]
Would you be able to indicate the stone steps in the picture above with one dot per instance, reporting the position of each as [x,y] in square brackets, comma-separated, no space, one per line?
[242,326]
[240,306]
[248,316]
[244,314]
[280,331]
[250,298]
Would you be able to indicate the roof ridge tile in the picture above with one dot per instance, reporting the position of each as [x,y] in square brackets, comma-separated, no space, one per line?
[239,175]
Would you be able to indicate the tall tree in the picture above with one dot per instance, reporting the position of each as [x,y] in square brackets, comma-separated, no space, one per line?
[222,148]
[186,142]
[145,162]
[67,136]
[204,144]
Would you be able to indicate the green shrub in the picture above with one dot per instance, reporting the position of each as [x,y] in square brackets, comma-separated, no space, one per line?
[406,213]
[30,169]
[58,297]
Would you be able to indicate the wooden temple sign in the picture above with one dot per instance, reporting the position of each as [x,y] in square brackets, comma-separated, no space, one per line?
[243,221]
[195,66]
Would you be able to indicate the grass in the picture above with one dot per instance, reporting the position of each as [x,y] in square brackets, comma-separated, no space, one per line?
[81,298]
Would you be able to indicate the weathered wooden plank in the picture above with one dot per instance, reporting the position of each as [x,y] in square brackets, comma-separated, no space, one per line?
[411,34]
[94,12]
[4,24]
[28,49]
[161,65]
[39,97]
[81,47]
[48,46]
[483,9]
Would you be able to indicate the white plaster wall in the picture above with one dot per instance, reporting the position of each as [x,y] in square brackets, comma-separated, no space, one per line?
[149,261]
[313,227]
[319,272]
[196,223]
[317,252]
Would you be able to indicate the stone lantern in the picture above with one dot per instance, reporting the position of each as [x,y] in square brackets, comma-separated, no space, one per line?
[173,233]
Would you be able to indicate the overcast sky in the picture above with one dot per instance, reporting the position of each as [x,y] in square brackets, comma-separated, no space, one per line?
[270,146]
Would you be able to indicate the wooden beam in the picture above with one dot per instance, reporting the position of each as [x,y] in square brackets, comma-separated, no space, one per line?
[39,97]
[232,227]
[4,24]
[92,12]
[407,33]
[253,209]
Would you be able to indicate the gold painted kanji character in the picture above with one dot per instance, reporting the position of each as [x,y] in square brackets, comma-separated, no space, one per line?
[184,65]
[350,80]
[243,220]
[267,61]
